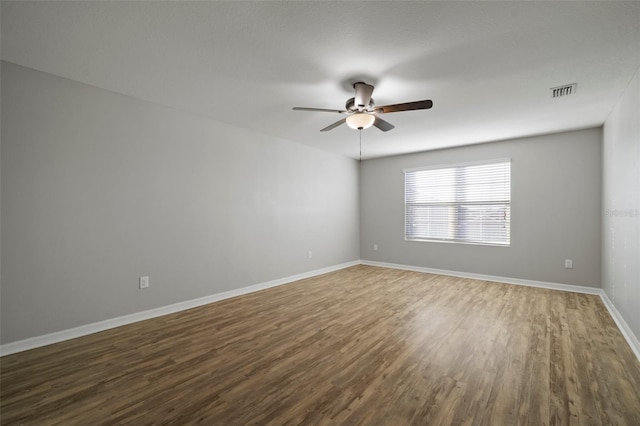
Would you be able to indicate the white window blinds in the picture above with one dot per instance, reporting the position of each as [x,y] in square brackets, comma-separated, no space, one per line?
[467,203]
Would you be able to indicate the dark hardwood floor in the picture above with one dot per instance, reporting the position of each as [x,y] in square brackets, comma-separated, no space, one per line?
[360,346]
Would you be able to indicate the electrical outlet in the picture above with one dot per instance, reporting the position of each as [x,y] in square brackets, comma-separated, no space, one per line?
[310,254]
[375,247]
[144,282]
[568,263]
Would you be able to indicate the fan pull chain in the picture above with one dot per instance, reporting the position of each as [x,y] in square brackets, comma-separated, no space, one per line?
[360,130]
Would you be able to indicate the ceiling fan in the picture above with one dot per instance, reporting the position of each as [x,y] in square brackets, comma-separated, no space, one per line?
[361,110]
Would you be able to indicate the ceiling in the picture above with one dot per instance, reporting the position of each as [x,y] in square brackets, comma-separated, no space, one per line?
[487,66]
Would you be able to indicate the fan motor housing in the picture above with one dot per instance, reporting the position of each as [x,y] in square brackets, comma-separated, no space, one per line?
[350,105]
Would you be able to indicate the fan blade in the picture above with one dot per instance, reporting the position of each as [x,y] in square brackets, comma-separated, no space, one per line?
[408,106]
[385,126]
[363,95]
[334,125]
[318,110]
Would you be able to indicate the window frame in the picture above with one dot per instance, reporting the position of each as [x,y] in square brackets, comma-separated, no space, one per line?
[454,224]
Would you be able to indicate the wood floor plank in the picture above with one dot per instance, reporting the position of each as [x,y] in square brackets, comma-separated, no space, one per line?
[360,346]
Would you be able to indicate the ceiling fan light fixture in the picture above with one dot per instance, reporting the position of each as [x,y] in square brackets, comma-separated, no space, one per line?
[361,120]
[362,113]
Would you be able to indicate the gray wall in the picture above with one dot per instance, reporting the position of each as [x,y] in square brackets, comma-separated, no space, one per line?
[555,211]
[621,206]
[99,189]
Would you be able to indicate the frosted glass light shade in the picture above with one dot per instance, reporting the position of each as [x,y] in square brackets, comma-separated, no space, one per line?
[360,120]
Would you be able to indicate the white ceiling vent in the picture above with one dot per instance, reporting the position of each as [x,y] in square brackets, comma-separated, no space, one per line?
[566,90]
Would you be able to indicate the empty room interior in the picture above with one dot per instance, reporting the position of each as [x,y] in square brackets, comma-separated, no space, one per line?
[320,212]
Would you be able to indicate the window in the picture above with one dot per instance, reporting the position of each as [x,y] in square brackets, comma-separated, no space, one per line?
[464,203]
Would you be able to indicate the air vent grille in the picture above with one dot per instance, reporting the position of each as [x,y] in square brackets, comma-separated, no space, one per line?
[566,90]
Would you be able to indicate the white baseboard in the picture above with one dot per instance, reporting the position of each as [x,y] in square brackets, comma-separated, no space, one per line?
[83,330]
[60,336]
[622,325]
[626,331]
[517,281]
